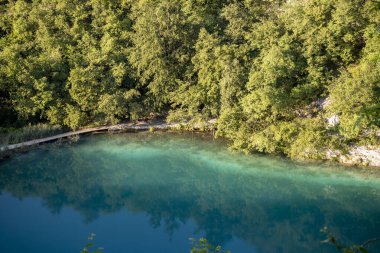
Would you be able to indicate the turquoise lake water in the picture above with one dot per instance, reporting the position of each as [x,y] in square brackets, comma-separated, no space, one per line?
[151,192]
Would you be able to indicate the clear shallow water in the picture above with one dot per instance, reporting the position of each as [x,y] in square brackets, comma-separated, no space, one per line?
[151,192]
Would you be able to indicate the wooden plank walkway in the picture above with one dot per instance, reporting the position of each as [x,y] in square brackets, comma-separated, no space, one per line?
[121,127]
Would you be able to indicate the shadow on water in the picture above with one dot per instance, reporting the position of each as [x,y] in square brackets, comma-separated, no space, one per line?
[272,204]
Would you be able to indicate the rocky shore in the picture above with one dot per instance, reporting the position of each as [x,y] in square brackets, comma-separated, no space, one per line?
[363,156]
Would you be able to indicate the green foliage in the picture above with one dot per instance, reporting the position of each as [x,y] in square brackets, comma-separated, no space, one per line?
[28,133]
[203,246]
[116,106]
[259,67]
[75,118]
[161,45]
[311,141]
[347,249]
[89,245]
[355,94]
[201,96]
[58,61]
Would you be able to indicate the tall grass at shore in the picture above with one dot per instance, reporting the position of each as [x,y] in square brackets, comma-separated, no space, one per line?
[27,133]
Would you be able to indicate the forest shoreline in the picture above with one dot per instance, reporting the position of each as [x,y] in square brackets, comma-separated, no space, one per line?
[111,128]
[282,77]
[356,156]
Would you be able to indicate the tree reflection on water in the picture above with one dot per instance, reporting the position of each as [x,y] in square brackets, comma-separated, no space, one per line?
[267,202]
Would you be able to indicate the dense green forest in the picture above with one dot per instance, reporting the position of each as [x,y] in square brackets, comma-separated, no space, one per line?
[272,72]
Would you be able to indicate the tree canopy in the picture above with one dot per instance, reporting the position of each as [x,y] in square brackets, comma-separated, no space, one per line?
[270,71]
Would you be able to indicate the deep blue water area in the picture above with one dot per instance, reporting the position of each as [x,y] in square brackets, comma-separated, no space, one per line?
[151,192]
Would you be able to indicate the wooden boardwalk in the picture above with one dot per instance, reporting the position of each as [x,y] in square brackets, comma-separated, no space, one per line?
[121,127]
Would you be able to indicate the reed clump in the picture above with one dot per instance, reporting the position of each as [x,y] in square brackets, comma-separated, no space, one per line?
[27,133]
